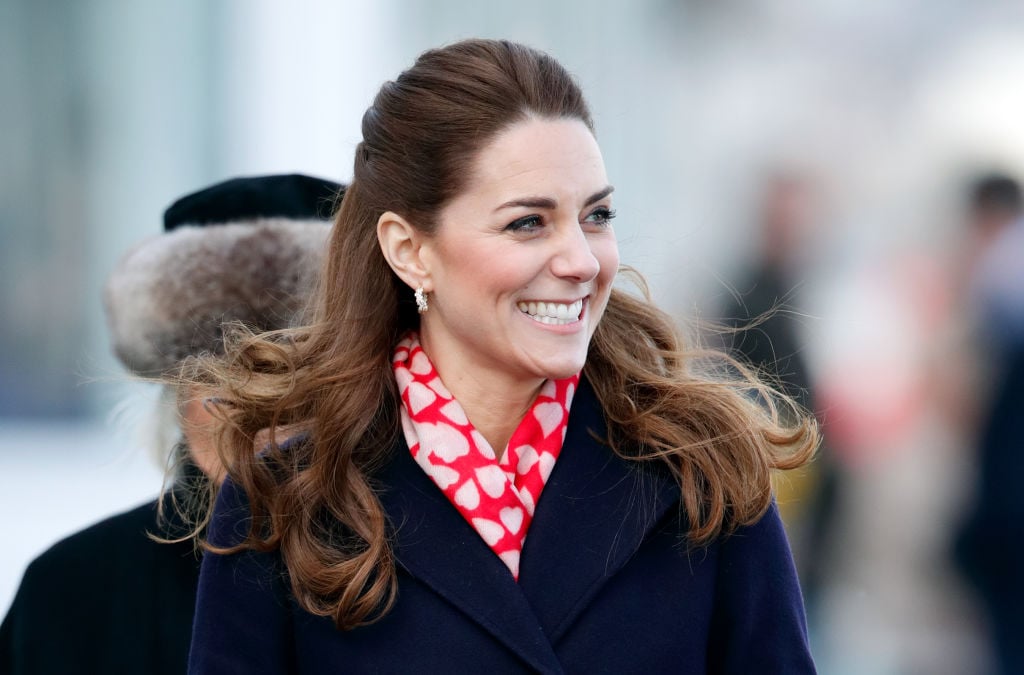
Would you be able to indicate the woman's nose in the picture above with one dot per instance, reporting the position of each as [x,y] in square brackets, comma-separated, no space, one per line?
[574,258]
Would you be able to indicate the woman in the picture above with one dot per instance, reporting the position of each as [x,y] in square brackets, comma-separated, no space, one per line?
[524,396]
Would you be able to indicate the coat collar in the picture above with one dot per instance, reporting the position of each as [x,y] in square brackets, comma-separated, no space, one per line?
[593,514]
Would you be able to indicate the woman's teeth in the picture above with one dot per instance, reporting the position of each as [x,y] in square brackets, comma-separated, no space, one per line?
[552,313]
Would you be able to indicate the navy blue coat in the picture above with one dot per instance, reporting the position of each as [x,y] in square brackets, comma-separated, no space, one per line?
[605,586]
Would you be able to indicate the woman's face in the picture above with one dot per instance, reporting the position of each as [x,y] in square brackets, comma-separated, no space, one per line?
[522,262]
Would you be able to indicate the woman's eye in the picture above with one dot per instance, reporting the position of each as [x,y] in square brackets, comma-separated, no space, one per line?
[601,216]
[524,224]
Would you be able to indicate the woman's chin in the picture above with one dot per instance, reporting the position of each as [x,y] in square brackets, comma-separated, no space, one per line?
[559,369]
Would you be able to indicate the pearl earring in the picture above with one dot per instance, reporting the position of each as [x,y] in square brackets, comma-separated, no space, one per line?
[421,300]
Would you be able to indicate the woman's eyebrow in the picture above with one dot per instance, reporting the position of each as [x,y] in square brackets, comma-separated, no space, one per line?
[530,203]
[549,203]
[599,195]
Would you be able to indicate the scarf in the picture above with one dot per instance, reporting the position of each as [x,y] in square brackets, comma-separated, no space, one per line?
[496,497]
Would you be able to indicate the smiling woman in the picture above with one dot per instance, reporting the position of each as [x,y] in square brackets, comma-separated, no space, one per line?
[520,268]
[506,464]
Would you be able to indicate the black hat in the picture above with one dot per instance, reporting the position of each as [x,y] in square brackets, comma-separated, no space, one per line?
[292,196]
[245,250]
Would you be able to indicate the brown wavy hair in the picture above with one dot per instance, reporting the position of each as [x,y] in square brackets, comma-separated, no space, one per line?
[315,501]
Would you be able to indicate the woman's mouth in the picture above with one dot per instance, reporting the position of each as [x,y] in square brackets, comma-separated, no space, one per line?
[552,313]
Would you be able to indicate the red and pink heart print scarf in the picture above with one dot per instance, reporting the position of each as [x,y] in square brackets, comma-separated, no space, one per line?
[496,497]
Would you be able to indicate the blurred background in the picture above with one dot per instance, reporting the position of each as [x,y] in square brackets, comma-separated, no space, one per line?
[817,154]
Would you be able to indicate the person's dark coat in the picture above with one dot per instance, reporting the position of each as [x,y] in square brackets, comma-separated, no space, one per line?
[107,599]
[606,585]
[990,544]
[772,345]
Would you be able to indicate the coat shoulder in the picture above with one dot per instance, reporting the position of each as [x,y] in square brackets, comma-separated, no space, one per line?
[95,549]
[759,612]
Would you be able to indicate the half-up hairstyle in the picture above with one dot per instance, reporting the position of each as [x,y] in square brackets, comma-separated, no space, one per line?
[314,501]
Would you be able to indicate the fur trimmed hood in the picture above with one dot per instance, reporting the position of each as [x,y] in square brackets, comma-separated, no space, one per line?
[169,296]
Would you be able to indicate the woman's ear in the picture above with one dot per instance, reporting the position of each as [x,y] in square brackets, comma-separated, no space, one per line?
[401,244]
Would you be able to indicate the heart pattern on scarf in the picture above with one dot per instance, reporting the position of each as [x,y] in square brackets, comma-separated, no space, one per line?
[496,497]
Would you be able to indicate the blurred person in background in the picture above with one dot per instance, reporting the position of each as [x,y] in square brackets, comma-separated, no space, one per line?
[984,304]
[508,464]
[997,284]
[773,343]
[990,543]
[111,598]
[764,315]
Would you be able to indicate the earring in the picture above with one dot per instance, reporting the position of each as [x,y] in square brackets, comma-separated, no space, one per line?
[421,300]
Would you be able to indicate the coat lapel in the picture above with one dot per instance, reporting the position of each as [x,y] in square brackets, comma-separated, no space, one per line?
[593,514]
[435,544]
